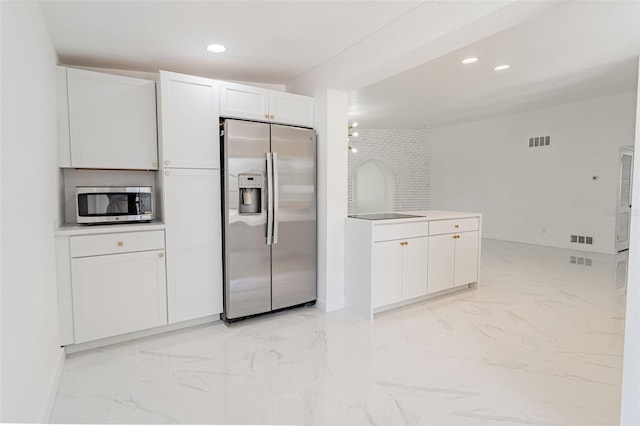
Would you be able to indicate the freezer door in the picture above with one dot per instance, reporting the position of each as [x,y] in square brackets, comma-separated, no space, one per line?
[247,257]
[294,249]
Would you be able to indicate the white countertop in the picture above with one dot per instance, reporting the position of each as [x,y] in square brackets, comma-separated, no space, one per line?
[442,214]
[428,216]
[75,229]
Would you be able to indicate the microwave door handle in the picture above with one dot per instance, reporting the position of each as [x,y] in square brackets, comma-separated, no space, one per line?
[269,199]
[138,209]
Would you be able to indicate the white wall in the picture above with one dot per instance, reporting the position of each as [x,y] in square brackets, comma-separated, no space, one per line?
[630,407]
[31,355]
[537,195]
[330,121]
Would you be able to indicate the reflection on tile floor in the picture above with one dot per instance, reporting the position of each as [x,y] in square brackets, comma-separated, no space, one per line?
[539,342]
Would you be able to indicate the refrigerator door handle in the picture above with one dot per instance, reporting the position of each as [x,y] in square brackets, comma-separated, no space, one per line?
[276,198]
[269,199]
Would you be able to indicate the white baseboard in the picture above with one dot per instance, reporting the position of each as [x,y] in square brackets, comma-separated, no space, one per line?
[335,305]
[321,304]
[54,384]
[70,349]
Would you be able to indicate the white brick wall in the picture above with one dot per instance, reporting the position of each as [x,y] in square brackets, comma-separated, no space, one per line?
[407,153]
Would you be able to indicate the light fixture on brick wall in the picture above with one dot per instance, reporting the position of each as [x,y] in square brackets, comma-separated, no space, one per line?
[352,135]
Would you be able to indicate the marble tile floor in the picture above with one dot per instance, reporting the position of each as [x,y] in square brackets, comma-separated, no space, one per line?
[539,342]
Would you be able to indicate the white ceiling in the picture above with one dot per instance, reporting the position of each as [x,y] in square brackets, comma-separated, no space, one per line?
[573,51]
[581,50]
[267,41]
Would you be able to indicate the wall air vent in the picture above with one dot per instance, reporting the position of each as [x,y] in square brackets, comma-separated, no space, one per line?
[539,141]
[584,261]
[581,239]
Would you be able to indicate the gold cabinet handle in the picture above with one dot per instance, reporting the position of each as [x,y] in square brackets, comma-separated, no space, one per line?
[404,243]
[154,164]
[120,243]
[456,226]
[160,254]
[167,173]
[166,162]
[266,116]
[272,117]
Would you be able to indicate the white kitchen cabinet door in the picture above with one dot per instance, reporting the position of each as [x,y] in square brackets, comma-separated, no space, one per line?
[117,294]
[289,108]
[441,262]
[241,101]
[189,120]
[112,121]
[193,243]
[386,273]
[466,258]
[414,268]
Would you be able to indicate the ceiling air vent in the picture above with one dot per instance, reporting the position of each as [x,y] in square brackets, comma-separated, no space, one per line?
[539,141]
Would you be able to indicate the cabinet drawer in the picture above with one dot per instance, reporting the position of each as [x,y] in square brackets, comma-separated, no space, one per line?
[395,231]
[124,242]
[449,226]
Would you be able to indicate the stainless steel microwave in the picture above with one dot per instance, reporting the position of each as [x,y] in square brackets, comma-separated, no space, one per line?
[114,204]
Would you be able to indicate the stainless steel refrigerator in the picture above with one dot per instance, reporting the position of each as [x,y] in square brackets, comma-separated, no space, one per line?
[269,216]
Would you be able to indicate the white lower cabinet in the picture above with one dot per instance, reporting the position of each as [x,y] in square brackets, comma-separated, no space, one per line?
[117,294]
[414,268]
[399,270]
[466,258]
[387,273]
[194,243]
[110,283]
[398,267]
[441,258]
[453,260]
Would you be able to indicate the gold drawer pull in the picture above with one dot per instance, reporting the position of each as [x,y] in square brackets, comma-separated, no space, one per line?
[272,117]
[120,244]
[266,116]
[161,255]
[166,162]
[404,243]
[456,226]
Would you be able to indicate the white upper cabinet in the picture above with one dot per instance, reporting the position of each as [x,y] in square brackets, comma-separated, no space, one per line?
[254,103]
[110,121]
[241,101]
[289,108]
[189,119]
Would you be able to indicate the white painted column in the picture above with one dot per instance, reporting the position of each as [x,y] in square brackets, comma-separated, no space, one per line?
[630,400]
[331,123]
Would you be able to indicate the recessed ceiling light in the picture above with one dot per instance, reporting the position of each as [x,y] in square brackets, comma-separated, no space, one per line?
[216,48]
[469,60]
[501,67]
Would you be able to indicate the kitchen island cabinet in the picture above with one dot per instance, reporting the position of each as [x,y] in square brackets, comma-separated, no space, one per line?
[395,262]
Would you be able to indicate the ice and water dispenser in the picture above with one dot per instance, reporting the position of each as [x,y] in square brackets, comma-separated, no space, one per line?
[250,193]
